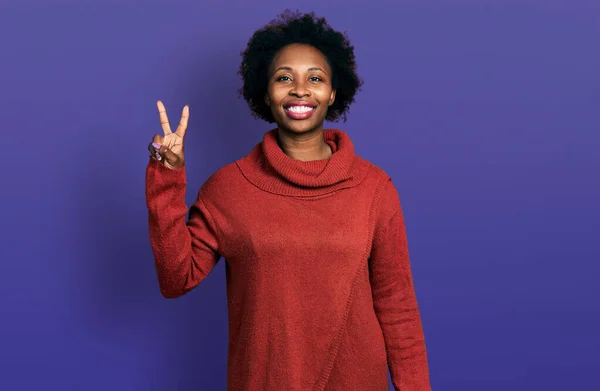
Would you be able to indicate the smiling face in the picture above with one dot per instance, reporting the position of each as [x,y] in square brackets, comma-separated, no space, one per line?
[300,90]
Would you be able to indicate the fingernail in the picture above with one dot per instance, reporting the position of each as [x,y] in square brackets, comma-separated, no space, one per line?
[158,157]
[156,146]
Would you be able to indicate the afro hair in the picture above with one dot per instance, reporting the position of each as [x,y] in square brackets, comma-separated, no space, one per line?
[294,27]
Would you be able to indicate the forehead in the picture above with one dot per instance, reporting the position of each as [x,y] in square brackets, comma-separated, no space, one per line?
[300,56]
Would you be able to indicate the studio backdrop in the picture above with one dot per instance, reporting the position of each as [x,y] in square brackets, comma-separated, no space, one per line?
[485,114]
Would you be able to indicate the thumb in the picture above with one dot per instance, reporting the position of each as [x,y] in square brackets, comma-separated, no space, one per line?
[169,157]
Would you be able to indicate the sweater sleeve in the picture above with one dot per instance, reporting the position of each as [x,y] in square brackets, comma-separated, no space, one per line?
[185,250]
[394,298]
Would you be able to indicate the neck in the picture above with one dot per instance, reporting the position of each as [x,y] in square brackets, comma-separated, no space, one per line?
[305,146]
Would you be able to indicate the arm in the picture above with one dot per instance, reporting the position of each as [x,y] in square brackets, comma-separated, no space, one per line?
[184,251]
[394,298]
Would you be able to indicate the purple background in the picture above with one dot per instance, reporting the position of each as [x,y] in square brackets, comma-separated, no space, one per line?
[485,114]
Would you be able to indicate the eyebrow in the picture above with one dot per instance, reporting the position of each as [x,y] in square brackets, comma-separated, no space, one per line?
[289,69]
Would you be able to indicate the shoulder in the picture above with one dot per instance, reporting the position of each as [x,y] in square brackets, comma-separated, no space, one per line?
[388,197]
[383,178]
[219,181]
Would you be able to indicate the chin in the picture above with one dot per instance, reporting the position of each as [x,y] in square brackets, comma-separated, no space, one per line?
[299,126]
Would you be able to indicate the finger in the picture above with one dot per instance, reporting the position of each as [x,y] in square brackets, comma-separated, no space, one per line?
[168,155]
[164,120]
[155,145]
[153,148]
[158,139]
[156,156]
[183,123]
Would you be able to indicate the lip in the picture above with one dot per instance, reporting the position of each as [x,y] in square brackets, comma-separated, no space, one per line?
[299,103]
[299,116]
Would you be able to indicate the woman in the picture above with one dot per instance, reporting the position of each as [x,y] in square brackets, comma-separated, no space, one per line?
[319,288]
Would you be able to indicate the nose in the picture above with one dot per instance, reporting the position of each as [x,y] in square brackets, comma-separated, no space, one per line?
[299,89]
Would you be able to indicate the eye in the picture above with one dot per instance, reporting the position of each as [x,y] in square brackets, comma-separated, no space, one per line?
[281,78]
[315,78]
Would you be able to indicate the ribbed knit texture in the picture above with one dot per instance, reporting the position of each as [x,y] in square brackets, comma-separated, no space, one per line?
[269,168]
[319,286]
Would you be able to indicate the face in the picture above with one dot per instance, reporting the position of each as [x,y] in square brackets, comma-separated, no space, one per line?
[300,90]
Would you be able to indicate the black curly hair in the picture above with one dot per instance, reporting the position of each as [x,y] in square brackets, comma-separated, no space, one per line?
[294,27]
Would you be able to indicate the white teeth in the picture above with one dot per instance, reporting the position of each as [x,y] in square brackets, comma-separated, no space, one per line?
[299,109]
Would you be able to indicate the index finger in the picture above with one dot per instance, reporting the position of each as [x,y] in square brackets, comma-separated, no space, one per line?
[164,120]
[183,123]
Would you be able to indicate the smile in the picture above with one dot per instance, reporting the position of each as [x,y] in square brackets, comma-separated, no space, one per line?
[300,109]
[299,112]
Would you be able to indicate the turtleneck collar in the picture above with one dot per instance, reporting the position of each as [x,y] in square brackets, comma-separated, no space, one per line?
[270,169]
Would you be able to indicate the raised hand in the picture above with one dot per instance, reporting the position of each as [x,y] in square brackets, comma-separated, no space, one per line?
[168,149]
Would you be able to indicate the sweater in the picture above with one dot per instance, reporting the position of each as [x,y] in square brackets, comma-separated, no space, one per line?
[320,294]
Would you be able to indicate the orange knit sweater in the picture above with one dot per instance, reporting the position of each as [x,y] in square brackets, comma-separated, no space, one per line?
[319,286]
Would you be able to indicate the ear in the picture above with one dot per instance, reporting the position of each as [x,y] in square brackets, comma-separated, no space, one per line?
[267,100]
[332,97]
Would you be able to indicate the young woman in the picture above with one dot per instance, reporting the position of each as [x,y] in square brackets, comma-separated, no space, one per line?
[319,286]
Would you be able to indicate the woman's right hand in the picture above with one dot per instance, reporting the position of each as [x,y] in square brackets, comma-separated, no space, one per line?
[168,149]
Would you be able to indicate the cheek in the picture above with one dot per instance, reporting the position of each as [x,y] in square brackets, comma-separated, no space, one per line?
[274,97]
[325,95]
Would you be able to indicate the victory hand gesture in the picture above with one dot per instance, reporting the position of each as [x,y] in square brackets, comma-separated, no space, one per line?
[168,149]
